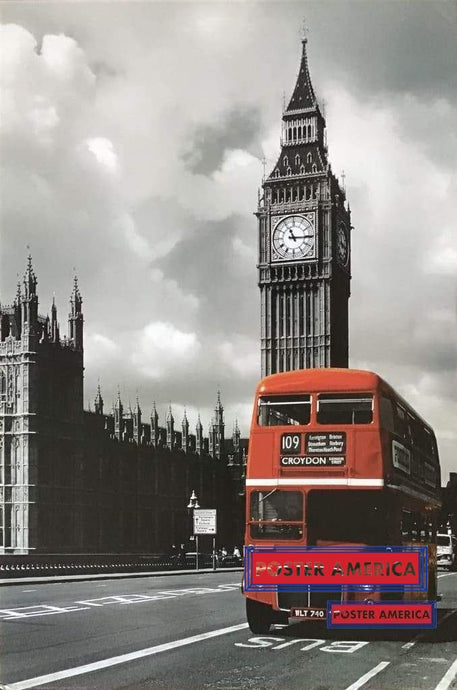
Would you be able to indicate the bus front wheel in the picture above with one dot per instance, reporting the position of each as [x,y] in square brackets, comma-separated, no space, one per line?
[260,617]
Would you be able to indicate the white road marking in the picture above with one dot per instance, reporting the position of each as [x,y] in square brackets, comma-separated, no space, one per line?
[446,575]
[29,590]
[42,610]
[448,677]
[366,677]
[408,645]
[122,659]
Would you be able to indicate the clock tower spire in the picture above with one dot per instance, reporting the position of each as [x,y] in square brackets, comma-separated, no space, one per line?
[304,245]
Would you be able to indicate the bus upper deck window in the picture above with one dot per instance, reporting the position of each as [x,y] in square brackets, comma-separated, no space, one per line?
[345,408]
[281,410]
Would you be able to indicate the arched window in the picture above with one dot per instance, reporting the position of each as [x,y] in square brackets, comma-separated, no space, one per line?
[2,384]
[299,132]
[314,168]
[297,159]
[276,172]
[302,170]
[309,131]
[295,132]
[285,161]
[309,158]
[289,171]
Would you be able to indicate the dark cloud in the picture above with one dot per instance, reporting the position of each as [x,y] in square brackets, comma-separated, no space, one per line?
[215,265]
[392,47]
[238,129]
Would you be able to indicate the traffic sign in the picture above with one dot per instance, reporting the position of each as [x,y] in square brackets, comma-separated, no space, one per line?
[205,521]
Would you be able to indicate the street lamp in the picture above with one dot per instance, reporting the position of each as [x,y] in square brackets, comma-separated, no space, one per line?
[193,503]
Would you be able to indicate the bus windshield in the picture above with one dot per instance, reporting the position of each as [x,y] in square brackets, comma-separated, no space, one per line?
[345,408]
[281,410]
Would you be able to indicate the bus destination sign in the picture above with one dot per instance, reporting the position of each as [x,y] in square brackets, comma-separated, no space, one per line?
[321,450]
[313,461]
[332,442]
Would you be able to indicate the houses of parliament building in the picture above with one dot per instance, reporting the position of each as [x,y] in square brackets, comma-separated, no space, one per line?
[79,481]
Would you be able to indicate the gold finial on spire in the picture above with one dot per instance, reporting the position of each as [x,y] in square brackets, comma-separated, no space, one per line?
[304,30]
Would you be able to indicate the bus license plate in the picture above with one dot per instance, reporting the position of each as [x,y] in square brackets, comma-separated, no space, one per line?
[311,614]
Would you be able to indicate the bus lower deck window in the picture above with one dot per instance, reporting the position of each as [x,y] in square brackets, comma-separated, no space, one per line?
[345,408]
[276,514]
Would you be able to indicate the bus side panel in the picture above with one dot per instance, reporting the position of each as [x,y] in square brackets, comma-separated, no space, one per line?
[261,455]
[368,453]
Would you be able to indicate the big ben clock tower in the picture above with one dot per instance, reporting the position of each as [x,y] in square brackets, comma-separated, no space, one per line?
[304,245]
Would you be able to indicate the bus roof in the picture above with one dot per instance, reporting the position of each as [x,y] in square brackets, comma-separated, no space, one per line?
[329,379]
[316,380]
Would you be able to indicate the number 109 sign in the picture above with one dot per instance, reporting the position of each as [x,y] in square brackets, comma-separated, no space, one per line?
[290,444]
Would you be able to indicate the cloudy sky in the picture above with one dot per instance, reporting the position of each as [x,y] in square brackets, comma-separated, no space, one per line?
[132,140]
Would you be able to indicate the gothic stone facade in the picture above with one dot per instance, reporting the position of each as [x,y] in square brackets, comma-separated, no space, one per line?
[76,481]
[304,245]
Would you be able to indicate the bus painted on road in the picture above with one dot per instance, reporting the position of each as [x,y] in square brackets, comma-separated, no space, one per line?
[337,457]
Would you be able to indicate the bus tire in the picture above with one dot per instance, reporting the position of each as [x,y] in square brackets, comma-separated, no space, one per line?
[259,617]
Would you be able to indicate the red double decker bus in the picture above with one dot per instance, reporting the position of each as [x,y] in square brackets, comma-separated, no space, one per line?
[337,457]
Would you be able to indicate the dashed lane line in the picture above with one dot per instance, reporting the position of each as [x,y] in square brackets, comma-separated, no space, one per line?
[367,676]
[448,677]
[122,659]
[408,645]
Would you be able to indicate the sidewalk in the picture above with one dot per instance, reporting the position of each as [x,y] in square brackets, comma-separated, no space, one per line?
[112,576]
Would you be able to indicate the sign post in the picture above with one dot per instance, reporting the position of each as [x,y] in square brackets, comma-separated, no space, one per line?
[205,523]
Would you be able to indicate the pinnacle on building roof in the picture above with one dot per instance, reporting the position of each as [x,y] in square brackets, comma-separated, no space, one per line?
[170,417]
[199,425]
[76,299]
[118,403]
[219,407]
[137,406]
[303,96]
[98,397]
[30,280]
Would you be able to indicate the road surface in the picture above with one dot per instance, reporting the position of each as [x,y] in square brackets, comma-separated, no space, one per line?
[189,632]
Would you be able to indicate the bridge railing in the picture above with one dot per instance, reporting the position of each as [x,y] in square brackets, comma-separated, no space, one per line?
[39,565]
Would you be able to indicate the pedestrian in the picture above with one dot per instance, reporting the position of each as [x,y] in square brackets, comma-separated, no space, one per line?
[236,552]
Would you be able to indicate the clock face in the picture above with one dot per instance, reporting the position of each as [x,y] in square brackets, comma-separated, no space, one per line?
[294,238]
[342,247]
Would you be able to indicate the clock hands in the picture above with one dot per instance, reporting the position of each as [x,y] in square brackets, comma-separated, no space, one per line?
[297,237]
